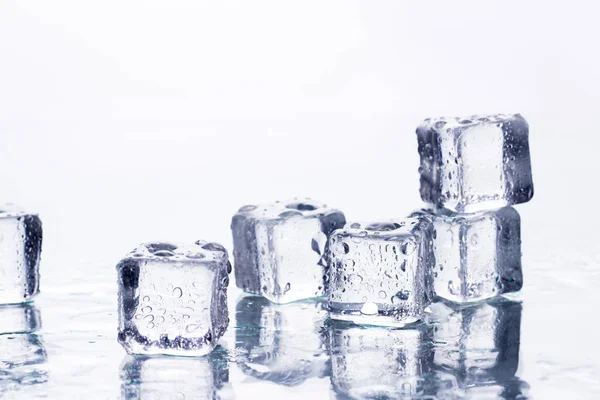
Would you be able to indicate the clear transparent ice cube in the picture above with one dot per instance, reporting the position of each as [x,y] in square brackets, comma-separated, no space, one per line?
[173,298]
[476,163]
[281,343]
[20,249]
[279,248]
[477,256]
[379,272]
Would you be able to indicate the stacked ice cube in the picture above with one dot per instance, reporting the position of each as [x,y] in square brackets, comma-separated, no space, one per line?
[472,170]
[465,247]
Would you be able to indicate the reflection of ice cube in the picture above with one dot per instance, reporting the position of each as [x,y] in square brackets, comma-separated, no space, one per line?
[173,298]
[22,318]
[384,363]
[479,344]
[475,163]
[160,378]
[279,248]
[477,256]
[281,343]
[20,358]
[380,272]
[20,248]
[21,350]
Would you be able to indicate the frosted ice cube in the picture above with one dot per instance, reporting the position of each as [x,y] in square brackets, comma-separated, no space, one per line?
[379,272]
[174,378]
[480,345]
[20,248]
[173,298]
[476,163]
[279,248]
[281,343]
[477,256]
[369,363]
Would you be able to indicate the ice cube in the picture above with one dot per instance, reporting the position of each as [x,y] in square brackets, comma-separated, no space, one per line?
[174,377]
[279,248]
[20,248]
[480,345]
[21,318]
[477,256]
[281,343]
[369,363]
[476,163]
[379,272]
[173,298]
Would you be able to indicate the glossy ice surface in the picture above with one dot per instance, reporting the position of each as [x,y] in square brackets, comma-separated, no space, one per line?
[279,248]
[20,249]
[380,272]
[64,346]
[172,298]
[477,256]
[475,163]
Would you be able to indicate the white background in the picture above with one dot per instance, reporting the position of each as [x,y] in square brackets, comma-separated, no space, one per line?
[129,121]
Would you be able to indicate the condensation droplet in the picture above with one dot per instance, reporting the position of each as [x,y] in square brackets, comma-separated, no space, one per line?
[369,309]
[177,292]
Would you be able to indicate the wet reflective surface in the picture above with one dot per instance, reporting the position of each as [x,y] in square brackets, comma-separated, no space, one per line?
[538,345]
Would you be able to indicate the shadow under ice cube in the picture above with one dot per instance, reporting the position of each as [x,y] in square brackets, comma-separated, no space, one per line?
[477,256]
[475,163]
[173,298]
[380,272]
[20,248]
[280,248]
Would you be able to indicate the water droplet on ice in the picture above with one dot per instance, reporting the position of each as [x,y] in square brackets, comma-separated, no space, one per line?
[369,309]
[177,292]
[408,247]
